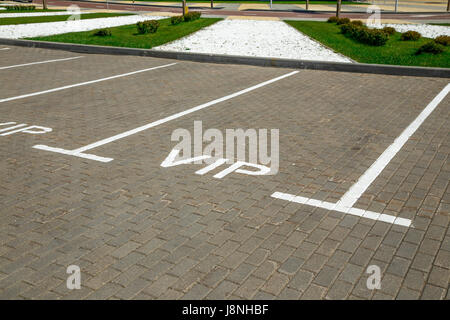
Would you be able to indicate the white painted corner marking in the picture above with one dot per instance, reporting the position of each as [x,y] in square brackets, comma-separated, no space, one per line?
[39,62]
[345,204]
[72,153]
[334,207]
[357,189]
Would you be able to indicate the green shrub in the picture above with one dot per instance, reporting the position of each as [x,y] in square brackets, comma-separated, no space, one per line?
[103,33]
[376,37]
[20,8]
[443,40]
[191,16]
[410,36]
[350,29]
[176,20]
[357,23]
[430,47]
[333,19]
[343,21]
[149,26]
[388,30]
[363,34]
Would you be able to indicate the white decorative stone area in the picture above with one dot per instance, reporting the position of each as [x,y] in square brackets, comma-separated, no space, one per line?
[50,28]
[426,30]
[254,38]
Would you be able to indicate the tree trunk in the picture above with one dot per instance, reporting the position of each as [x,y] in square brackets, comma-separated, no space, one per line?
[212,4]
[448,5]
[44,4]
[184,7]
[307,5]
[338,8]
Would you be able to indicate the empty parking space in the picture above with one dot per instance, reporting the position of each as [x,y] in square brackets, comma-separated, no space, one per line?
[17,55]
[141,226]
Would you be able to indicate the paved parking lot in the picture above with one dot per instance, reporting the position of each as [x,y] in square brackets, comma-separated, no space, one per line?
[92,192]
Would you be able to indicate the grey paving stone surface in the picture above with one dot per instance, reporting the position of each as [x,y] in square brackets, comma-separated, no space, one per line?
[140,231]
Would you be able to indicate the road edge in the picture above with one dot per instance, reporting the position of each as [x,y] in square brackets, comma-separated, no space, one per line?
[242,60]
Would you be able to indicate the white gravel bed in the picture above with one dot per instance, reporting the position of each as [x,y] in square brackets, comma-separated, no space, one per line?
[37,14]
[50,28]
[426,30]
[274,39]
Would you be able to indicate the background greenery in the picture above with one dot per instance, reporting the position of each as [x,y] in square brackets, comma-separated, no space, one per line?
[394,51]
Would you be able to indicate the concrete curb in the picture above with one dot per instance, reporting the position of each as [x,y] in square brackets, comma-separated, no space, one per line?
[227,59]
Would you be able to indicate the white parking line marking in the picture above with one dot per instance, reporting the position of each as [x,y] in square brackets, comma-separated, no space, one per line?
[355,192]
[83,83]
[39,62]
[13,127]
[4,49]
[345,204]
[80,151]
[334,207]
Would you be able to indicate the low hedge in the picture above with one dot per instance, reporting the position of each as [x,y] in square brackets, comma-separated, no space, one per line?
[410,36]
[430,47]
[191,16]
[176,20]
[357,22]
[341,21]
[388,30]
[20,8]
[333,19]
[443,40]
[363,34]
[103,33]
[149,26]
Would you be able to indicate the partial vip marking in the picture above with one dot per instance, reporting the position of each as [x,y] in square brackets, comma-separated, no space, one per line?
[234,167]
[22,128]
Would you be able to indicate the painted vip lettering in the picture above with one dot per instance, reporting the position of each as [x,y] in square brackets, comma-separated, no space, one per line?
[237,143]
[13,127]
[235,167]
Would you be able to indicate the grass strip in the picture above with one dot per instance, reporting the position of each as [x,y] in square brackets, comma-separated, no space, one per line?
[127,36]
[394,52]
[40,19]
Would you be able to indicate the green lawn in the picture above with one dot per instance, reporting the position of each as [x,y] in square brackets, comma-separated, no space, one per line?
[441,24]
[127,36]
[394,51]
[23,20]
[20,11]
